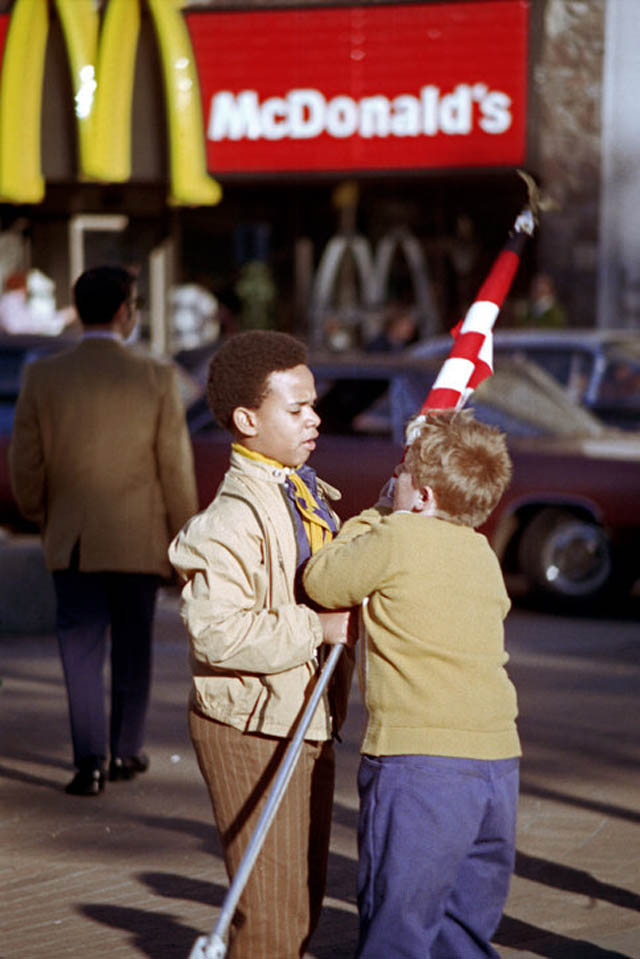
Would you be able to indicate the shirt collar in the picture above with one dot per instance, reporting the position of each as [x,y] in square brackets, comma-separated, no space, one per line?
[89,334]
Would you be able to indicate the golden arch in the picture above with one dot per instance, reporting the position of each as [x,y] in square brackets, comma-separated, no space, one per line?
[373,271]
[102,64]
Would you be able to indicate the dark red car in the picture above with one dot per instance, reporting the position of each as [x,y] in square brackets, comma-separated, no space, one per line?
[570,520]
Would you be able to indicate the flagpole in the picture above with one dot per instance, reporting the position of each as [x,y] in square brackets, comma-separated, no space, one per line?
[471,357]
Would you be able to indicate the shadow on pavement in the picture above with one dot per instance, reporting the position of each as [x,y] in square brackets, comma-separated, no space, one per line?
[205,832]
[28,778]
[153,935]
[573,880]
[345,816]
[618,812]
[336,936]
[171,886]
[516,934]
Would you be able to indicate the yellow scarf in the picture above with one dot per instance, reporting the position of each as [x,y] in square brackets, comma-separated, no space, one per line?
[316,528]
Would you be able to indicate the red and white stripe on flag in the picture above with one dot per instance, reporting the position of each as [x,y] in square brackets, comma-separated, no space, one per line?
[471,358]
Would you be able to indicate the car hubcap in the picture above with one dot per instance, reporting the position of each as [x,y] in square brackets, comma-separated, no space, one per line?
[576,559]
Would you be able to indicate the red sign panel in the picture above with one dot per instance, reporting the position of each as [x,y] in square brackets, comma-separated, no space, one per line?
[364,88]
[4,26]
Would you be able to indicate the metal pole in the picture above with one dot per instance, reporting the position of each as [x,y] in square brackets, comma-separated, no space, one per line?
[213,946]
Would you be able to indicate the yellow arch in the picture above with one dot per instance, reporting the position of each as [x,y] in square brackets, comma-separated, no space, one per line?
[21,178]
[102,64]
[190,183]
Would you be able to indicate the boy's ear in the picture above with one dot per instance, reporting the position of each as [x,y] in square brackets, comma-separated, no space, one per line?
[245,421]
[427,500]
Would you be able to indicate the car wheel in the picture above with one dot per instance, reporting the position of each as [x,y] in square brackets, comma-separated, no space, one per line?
[566,556]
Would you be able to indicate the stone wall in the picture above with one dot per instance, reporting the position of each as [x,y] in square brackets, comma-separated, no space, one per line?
[567,47]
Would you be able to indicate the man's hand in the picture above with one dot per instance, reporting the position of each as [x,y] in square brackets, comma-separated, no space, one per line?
[335,627]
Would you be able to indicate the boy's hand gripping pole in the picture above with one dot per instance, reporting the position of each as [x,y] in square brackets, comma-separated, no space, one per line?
[213,946]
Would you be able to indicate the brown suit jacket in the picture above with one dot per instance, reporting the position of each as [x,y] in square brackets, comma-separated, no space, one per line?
[100,455]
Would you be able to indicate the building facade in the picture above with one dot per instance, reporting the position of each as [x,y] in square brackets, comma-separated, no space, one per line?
[309,165]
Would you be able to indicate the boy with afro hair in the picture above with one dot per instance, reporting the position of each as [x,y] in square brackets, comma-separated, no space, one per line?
[255,644]
[438,778]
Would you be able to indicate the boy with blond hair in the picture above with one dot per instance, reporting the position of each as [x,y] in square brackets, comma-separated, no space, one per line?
[438,778]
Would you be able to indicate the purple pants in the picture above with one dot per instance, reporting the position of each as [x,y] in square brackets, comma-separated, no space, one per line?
[436,840]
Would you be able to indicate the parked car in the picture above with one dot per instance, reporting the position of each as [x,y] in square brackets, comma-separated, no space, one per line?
[599,368]
[15,352]
[570,519]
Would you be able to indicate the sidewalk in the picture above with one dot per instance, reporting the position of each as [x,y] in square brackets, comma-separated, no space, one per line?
[137,871]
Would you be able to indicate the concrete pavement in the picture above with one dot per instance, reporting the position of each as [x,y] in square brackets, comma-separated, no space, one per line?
[136,872]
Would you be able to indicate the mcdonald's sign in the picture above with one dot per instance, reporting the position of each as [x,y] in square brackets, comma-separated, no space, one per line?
[101,55]
[367,87]
[370,87]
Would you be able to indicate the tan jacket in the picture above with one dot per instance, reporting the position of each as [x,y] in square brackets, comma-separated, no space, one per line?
[101,455]
[253,648]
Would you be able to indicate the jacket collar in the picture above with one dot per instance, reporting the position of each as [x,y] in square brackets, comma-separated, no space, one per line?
[93,342]
[259,469]
[269,473]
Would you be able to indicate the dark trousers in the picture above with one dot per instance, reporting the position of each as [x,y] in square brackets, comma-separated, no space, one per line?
[89,606]
[436,840]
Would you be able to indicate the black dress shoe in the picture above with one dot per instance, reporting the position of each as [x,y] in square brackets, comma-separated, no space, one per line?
[126,767]
[88,781]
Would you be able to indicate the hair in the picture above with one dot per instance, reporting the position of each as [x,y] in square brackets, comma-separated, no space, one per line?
[100,292]
[466,464]
[239,371]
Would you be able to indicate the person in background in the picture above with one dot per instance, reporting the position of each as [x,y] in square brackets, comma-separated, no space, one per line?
[544,310]
[15,315]
[28,307]
[101,460]
[400,331]
[257,644]
[438,778]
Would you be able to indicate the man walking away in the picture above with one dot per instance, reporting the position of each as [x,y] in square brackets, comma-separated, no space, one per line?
[101,460]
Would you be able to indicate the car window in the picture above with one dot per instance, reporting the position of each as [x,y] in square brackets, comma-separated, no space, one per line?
[343,402]
[556,362]
[629,349]
[375,403]
[520,398]
[354,400]
[620,382]
[570,366]
[581,375]
[509,401]
[522,391]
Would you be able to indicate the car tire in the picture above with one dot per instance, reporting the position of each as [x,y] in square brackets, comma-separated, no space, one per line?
[566,557]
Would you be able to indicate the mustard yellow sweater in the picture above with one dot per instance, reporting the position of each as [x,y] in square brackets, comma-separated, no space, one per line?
[432,670]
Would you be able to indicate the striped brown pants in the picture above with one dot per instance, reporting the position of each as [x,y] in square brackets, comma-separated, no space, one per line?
[281,902]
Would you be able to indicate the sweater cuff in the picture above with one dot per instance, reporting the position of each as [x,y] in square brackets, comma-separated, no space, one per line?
[317,637]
